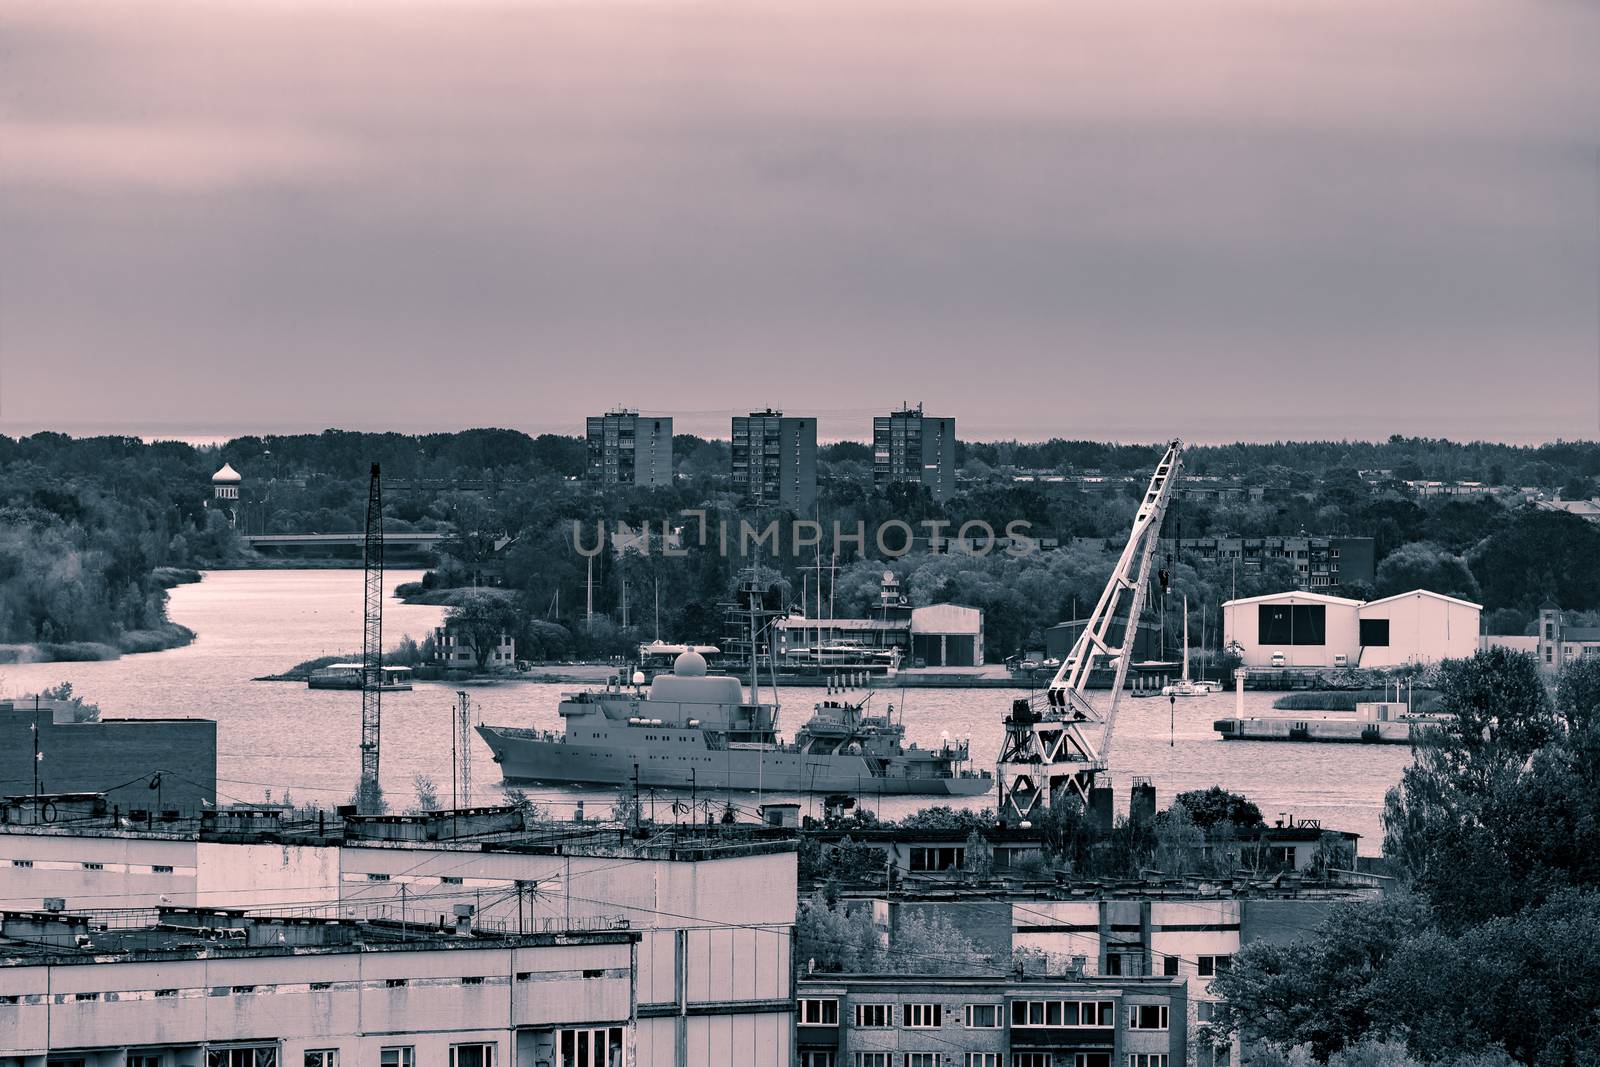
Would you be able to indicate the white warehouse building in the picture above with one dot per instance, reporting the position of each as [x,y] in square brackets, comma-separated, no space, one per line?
[1298,629]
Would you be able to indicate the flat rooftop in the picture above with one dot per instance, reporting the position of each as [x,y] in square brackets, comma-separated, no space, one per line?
[66,938]
[469,830]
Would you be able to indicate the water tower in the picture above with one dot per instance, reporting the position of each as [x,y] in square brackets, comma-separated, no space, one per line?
[225,492]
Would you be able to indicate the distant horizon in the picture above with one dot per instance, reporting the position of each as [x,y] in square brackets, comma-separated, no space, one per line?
[203,437]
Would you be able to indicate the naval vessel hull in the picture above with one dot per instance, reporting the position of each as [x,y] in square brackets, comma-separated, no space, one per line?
[528,756]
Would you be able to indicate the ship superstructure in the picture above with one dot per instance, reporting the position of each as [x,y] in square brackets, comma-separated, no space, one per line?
[691,730]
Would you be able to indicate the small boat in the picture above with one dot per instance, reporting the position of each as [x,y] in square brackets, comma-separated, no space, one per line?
[1185,687]
[348,676]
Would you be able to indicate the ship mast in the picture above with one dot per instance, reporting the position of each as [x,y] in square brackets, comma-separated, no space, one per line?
[1055,747]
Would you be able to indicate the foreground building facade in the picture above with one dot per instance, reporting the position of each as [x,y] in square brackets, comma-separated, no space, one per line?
[714,913]
[993,1020]
[210,989]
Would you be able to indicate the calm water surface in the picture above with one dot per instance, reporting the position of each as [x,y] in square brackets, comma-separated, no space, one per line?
[278,736]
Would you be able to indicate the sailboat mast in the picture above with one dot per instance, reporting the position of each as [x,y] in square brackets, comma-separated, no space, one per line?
[1186,637]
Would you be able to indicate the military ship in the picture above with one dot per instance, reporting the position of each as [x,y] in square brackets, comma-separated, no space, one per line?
[694,730]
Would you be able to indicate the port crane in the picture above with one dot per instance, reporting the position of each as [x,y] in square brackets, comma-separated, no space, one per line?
[369,798]
[1057,743]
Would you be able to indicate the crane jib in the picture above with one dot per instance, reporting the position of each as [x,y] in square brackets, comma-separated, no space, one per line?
[1064,741]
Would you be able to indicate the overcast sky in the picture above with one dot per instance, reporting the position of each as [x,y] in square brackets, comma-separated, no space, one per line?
[1113,218]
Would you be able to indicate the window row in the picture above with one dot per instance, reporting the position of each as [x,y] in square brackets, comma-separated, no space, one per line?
[1028,1013]
[814,1058]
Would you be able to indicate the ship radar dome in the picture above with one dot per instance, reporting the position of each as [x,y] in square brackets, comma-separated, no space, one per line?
[226,476]
[690,664]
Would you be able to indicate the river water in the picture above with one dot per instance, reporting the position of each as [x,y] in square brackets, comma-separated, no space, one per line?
[275,737]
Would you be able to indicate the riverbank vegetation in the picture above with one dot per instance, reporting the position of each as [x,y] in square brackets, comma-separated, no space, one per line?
[1491,949]
[96,517]
[1421,700]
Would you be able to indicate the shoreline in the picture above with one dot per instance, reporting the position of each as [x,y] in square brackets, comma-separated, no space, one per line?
[162,638]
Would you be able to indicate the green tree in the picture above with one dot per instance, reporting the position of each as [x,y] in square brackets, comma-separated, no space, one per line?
[479,619]
[1424,565]
[1540,554]
[928,942]
[831,937]
[1578,694]
[1212,807]
[1323,990]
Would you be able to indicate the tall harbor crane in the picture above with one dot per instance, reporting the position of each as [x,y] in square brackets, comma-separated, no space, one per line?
[369,799]
[1056,744]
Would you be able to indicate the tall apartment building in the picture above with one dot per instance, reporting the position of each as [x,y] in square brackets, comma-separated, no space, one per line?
[626,448]
[775,460]
[910,447]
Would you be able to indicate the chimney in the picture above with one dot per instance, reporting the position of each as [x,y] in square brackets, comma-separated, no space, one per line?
[464,920]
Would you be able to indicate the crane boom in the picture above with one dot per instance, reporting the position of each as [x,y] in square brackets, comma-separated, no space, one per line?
[369,798]
[1056,748]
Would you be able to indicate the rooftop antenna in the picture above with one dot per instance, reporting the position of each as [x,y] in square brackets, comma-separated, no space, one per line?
[369,799]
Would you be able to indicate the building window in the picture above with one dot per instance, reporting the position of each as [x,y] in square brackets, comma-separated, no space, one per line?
[322,1057]
[398,1056]
[599,1046]
[871,1059]
[166,992]
[22,863]
[981,1059]
[816,1011]
[1113,963]
[473,980]
[1169,965]
[449,880]
[1091,1059]
[94,866]
[874,1016]
[394,983]
[1062,1013]
[1141,1059]
[144,1059]
[922,1016]
[1291,624]
[983,1017]
[243,1056]
[1214,965]
[810,1058]
[1204,1010]
[161,868]
[1147,1017]
[938,859]
[1030,1059]
[922,1059]
[1375,633]
[377,877]
[479,1054]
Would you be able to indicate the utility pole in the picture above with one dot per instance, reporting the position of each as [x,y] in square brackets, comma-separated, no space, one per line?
[37,757]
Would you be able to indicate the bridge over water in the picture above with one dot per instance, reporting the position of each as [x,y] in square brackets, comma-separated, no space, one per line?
[396,543]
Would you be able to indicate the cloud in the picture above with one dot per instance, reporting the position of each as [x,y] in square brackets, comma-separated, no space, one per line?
[1062,218]
[171,157]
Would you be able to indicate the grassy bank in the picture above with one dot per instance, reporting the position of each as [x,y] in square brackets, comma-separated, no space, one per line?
[168,635]
[1347,699]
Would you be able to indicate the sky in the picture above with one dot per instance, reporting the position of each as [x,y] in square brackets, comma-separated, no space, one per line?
[1118,219]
